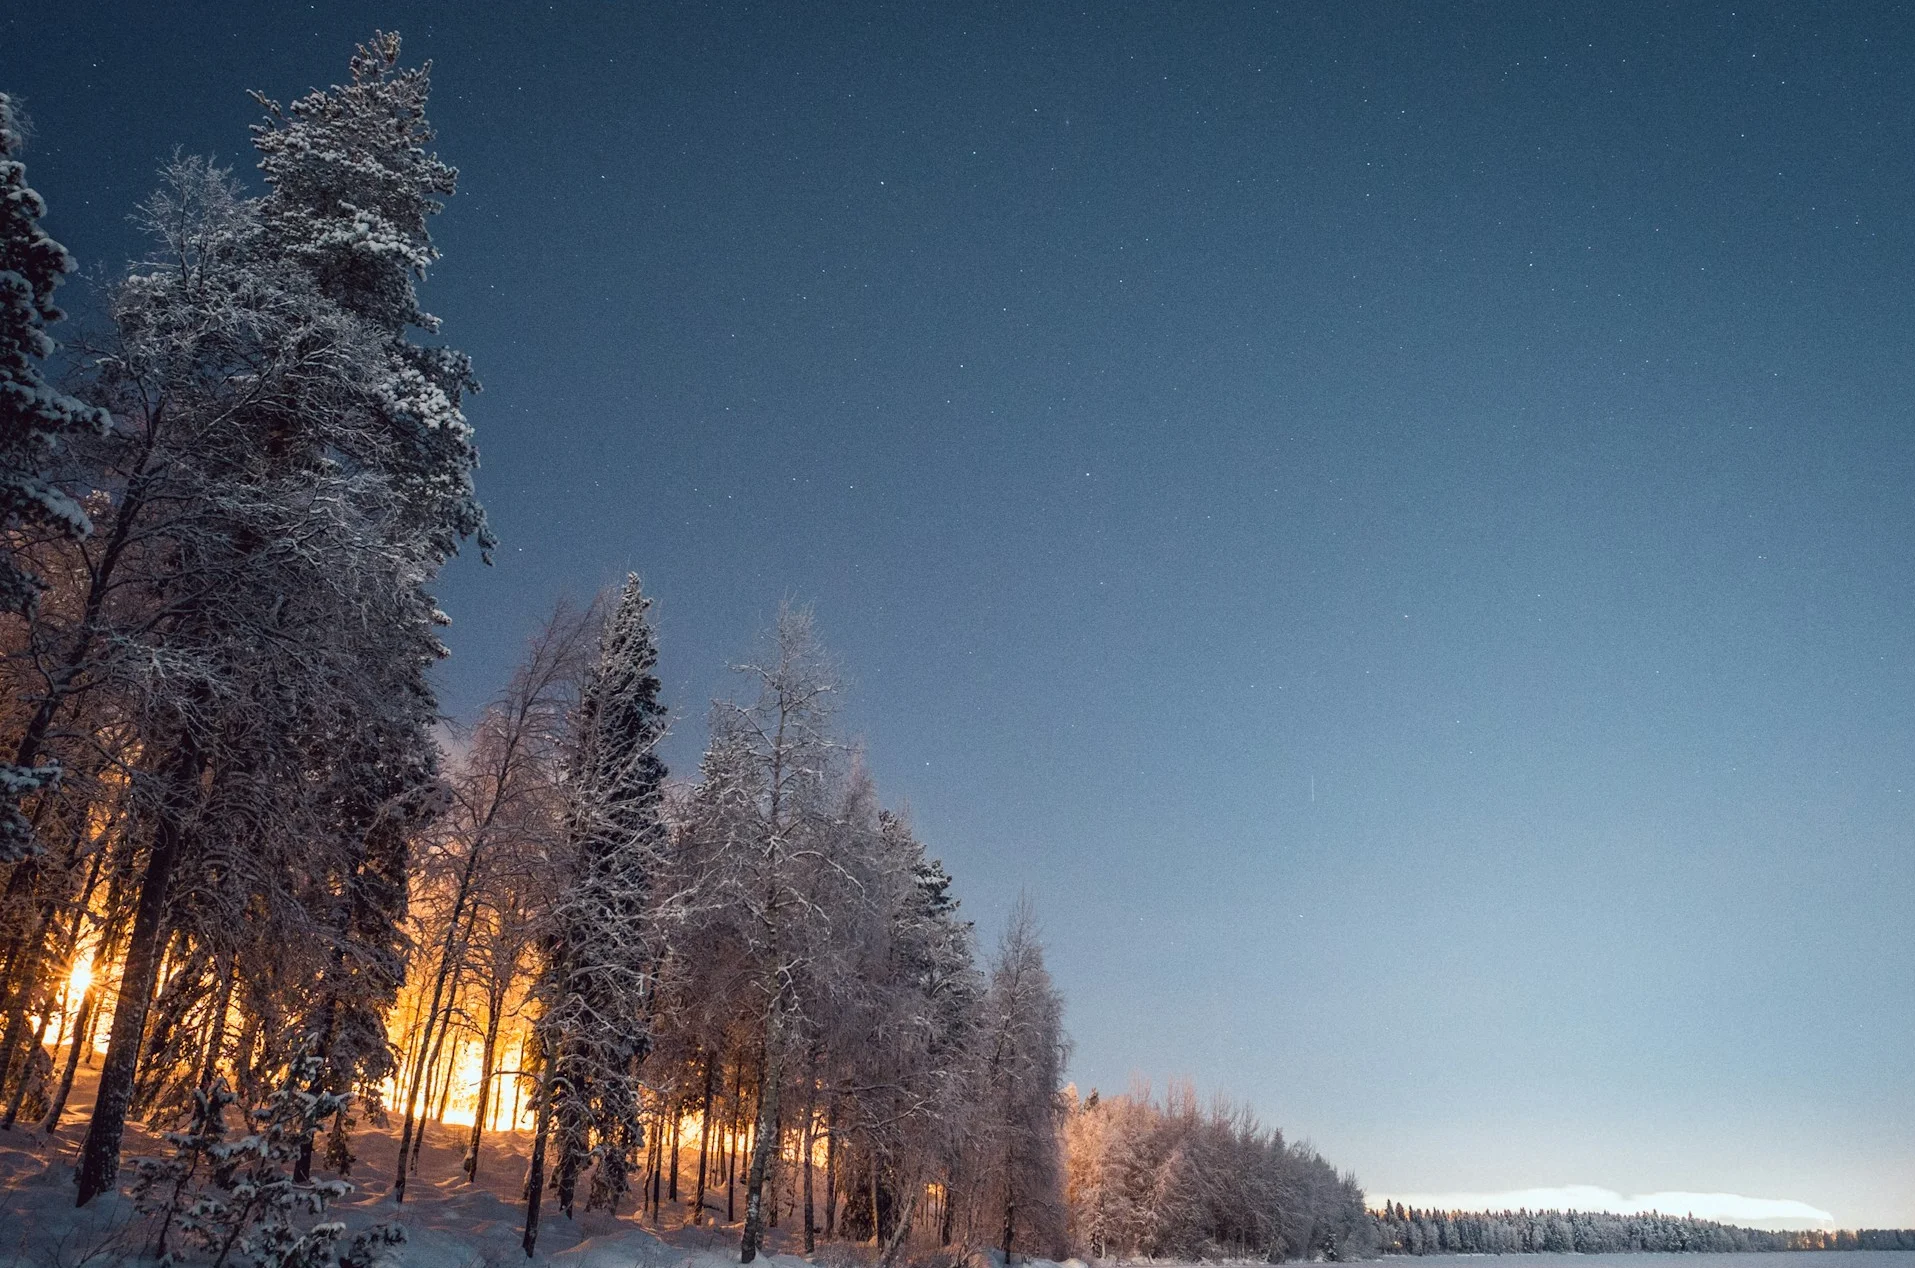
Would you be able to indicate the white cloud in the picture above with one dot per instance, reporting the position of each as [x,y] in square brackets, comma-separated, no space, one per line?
[1729,1208]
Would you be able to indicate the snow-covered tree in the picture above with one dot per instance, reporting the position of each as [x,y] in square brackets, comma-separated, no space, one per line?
[35,417]
[240,597]
[353,189]
[507,807]
[1020,1167]
[35,421]
[240,1194]
[1167,1178]
[775,850]
[595,986]
[904,1043]
[316,472]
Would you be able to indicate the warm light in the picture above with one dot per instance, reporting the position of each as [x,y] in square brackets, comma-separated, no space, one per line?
[81,978]
[465,1083]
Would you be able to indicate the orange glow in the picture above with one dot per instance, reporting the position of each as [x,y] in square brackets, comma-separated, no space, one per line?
[81,977]
[463,1105]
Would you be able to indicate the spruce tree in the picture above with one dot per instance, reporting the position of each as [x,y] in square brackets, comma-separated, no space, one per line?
[35,420]
[595,986]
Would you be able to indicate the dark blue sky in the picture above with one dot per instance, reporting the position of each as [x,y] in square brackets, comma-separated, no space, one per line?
[1394,525]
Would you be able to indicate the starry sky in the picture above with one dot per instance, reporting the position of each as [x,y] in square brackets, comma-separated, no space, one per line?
[1393,523]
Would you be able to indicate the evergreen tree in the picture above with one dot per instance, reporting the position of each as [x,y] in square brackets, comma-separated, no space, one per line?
[35,420]
[595,987]
[352,186]
[329,474]
[353,189]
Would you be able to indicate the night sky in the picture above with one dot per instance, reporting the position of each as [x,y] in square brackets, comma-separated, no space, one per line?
[1393,523]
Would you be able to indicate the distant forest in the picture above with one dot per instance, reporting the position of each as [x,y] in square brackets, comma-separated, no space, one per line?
[1407,1231]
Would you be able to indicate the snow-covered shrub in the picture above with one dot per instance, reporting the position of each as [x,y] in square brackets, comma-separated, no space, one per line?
[237,1198]
[165,1186]
[373,1247]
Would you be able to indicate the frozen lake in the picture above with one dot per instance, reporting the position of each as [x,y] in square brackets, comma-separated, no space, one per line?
[1732,1259]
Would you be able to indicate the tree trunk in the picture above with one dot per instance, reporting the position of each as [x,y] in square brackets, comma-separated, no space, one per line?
[678,1122]
[82,1034]
[900,1231]
[486,1054]
[518,1081]
[704,1140]
[65,1008]
[100,1156]
[807,1137]
[831,1167]
[445,1080]
[770,1076]
[731,1145]
[654,1159]
[216,1038]
[92,1053]
[535,1170]
[777,1171]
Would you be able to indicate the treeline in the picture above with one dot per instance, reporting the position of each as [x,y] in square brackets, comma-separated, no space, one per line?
[1854,1239]
[236,857]
[1168,1179]
[1404,1230]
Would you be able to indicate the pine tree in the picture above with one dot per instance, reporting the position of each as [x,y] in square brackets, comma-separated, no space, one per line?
[595,987]
[353,188]
[330,481]
[35,420]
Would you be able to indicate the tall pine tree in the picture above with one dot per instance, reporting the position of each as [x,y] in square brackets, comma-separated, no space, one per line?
[353,185]
[595,988]
[369,435]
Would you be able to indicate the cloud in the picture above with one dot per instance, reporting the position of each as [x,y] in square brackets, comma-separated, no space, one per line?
[1729,1208]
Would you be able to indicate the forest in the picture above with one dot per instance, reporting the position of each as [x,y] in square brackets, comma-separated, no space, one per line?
[1408,1231]
[266,913]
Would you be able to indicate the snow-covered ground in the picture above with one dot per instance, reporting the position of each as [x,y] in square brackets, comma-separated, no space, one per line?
[449,1223]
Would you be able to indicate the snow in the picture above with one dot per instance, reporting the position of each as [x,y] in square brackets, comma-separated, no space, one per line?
[448,1223]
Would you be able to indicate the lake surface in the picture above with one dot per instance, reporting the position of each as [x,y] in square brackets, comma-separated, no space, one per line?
[1659,1259]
